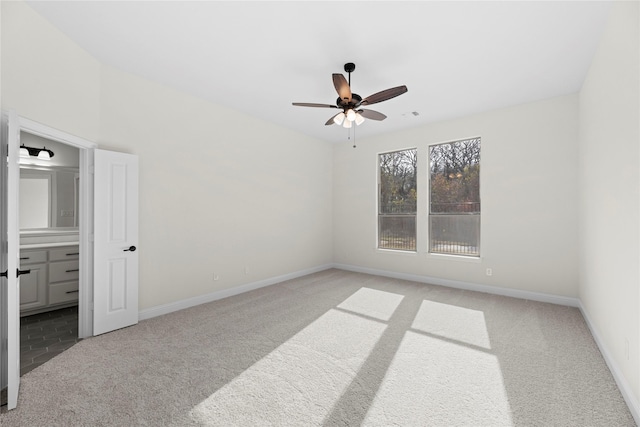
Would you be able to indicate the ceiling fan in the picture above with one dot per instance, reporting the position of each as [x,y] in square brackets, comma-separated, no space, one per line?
[350,102]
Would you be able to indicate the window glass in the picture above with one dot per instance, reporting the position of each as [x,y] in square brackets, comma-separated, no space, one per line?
[454,198]
[397,200]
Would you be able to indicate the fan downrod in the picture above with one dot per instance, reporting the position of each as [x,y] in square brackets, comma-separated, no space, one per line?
[349,67]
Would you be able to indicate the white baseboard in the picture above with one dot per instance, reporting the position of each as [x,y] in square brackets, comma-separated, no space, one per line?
[623,385]
[159,310]
[515,293]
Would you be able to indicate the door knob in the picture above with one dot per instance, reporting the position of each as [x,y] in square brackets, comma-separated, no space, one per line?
[20,272]
[131,248]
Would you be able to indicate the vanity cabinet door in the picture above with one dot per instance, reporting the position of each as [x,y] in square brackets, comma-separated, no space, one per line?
[32,257]
[33,287]
[63,271]
[63,275]
[64,254]
[63,292]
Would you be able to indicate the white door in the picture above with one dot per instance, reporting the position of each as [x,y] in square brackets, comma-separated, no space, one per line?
[115,281]
[11,236]
[3,255]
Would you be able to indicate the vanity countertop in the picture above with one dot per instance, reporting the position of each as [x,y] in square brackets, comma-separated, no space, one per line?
[48,245]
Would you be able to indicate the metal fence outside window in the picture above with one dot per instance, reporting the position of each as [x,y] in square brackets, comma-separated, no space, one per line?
[457,234]
[397,232]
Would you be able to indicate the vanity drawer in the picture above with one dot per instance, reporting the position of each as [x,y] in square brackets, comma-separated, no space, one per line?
[33,257]
[63,271]
[63,292]
[64,254]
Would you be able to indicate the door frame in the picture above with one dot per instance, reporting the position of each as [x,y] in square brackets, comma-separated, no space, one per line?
[85,215]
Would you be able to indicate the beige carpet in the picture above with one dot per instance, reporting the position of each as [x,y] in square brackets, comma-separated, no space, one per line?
[334,348]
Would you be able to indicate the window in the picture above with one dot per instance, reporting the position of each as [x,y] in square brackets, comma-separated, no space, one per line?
[397,200]
[454,198]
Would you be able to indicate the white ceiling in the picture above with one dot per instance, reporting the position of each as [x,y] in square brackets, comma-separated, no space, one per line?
[456,58]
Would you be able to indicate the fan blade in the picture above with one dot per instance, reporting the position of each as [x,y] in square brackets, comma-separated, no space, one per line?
[310,104]
[373,115]
[330,121]
[342,87]
[384,95]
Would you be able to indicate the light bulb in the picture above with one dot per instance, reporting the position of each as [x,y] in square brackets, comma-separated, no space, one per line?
[346,124]
[359,119]
[44,155]
[351,115]
[338,119]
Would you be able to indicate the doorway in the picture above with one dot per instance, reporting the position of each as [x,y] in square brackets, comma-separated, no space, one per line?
[107,239]
[49,248]
[78,215]
[13,127]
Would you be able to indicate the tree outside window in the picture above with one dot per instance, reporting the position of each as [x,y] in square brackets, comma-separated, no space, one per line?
[397,200]
[454,198]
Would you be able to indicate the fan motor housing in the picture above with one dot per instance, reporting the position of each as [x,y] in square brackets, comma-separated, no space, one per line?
[355,102]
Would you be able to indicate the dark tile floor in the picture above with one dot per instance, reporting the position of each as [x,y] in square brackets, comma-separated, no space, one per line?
[45,335]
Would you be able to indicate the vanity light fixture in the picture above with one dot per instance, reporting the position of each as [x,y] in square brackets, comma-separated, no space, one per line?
[41,153]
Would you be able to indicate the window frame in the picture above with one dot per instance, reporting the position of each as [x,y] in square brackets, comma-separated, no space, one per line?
[416,214]
[428,214]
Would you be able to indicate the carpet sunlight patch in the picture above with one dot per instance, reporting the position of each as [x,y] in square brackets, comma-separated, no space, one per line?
[373,303]
[433,381]
[299,381]
[453,322]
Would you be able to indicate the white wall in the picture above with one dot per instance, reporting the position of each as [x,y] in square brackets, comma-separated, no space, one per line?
[609,179]
[219,191]
[45,76]
[529,198]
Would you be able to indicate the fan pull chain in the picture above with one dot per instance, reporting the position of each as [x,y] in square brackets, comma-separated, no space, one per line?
[354,137]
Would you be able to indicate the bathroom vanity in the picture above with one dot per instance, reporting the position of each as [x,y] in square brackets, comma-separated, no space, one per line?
[52,258]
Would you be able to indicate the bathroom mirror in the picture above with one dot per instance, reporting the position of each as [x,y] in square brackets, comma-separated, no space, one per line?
[48,199]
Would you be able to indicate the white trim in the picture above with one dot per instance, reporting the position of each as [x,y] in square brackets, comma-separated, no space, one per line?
[85,229]
[44,131]
[225,293]
[514,293]
[160,310]
[85,211]
[456,258]
[396,252]
[623,385]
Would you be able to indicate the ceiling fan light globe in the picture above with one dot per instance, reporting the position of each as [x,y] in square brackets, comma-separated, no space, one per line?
[359,119]
[351,115]
[346,124]
[339,118]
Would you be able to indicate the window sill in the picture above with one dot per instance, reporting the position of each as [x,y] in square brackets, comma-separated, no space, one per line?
[396,251]
[460,258]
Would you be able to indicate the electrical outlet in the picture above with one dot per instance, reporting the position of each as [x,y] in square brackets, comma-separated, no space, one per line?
[216,276]
[489,272]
